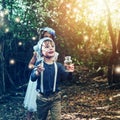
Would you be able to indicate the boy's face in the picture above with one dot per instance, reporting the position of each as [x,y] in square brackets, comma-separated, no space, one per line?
[48,49]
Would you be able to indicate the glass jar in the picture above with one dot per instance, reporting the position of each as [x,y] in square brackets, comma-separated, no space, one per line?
[67,60]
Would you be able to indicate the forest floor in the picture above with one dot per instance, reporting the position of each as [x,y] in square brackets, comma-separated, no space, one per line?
[88,97]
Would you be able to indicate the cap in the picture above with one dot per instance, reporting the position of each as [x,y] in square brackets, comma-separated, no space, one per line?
[37,48]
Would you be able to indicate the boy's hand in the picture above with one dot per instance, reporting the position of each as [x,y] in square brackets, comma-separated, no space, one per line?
[69,68]
[39,69]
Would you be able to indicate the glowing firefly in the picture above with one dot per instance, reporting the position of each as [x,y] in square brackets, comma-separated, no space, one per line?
[33,38]
[12,61]
[20,43]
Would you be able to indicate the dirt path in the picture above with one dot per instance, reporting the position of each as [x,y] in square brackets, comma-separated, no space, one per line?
[84,99]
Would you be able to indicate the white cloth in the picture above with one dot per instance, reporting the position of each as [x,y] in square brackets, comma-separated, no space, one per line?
[31,96]
[31,93]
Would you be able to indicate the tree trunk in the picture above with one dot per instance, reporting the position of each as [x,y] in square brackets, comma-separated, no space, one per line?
[2,74]
[118,44]
[113,57]
[114,48]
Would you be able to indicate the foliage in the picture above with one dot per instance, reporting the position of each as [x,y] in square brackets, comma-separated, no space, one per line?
[81,28]
[18,33]
[82,37]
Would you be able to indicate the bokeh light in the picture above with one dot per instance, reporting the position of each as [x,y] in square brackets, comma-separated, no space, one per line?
[11,61]
[93,11]
[20,43]
[86,38]
[1,14]
[17,19]
[6,12]
[33,38]
[6,30]
[30,66]
[117,69]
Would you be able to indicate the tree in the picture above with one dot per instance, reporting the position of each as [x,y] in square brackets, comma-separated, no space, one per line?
[18,33]
[80,26]
[114,58]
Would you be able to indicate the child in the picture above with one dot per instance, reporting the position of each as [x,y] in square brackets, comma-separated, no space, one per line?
[48,74]
[31,94]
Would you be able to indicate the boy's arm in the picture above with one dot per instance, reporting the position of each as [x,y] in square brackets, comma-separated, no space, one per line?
[70,76]
[64,74]
[34,75]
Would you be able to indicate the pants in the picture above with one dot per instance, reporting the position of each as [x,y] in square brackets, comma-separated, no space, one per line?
[46,104]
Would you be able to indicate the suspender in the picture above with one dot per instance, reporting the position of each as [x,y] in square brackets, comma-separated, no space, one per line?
[41,87]
[55,78]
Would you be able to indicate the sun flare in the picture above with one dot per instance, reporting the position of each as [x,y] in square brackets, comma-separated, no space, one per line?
[94,10]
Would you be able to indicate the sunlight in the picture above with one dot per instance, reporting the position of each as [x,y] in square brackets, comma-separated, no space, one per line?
[86,38]
[95,11]
[68,6]
[75,10]
[99,9]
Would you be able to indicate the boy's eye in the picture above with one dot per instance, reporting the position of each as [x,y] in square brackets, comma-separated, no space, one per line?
[48,46]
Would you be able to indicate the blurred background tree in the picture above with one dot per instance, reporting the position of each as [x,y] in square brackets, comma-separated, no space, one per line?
[81,27]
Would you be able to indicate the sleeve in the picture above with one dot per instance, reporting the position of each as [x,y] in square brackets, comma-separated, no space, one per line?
[63,74]
[33,76]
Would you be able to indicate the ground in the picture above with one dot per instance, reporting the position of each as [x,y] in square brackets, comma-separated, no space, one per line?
[86,98]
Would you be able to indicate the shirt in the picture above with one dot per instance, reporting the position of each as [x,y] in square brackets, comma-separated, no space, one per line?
[48,77]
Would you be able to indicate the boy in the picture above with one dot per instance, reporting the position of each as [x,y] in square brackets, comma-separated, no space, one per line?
[48,74]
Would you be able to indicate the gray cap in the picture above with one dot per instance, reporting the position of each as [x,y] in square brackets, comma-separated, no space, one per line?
[37,48]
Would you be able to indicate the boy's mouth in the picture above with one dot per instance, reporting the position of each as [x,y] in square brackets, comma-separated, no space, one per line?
[51,52]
